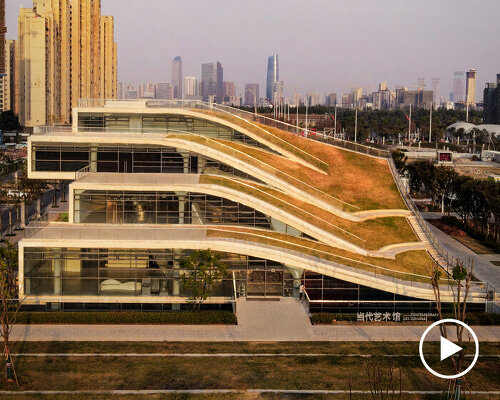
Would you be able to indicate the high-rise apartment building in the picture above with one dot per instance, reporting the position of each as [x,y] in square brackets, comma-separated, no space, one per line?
[191,87]
[7,78]
[176,80]
[163,91]
[31,69]
[492,102]
[277,92]
[251,94]
[229,89]
[273,75]
[73,50]
[108,62]
[212,88]
[458,87]
[435,90]
[470,88]
[331,100]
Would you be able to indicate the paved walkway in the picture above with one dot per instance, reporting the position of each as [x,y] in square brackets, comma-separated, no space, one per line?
[483,268]
[284,320]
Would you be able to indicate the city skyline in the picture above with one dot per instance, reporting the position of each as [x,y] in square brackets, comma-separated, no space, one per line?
[411,46]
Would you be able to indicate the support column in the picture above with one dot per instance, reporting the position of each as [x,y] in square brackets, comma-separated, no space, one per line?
[176,282]
[54,198]
[58,267]
[63,194]
[296,275]
[93,159]
[22,220]
[38,207]
[181,196]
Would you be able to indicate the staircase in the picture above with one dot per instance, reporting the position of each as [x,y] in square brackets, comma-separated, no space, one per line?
[273,320]
[424,239]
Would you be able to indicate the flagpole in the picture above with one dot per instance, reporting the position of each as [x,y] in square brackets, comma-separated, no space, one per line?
[430,125]
[335,129]
[409,126]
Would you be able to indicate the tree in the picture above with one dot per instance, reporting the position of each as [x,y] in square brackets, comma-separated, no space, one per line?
[462,275]
[399,160]
[10,303]
[205,273]
[9,121]
[444,178]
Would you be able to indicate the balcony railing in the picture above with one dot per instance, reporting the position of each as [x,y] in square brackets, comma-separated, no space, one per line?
[246,115]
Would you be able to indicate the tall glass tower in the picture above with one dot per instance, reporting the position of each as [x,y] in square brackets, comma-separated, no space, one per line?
[177,78]
[273,75]
[458,86]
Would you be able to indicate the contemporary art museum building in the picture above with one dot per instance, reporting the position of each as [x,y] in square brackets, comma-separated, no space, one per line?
[152,181]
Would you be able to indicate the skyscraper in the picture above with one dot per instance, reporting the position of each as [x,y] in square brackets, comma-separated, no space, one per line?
[108,70]
[458,86]
[67,50]
[30,69]
[470,89]
[229,90]
[176,80]
[273,75]
[251,94]
[331,100]
[435,90]
[191,87]
[212,82]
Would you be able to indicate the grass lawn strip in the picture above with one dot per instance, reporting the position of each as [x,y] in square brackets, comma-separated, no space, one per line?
[413,262]
[301,373]
[376,233]
[220,396]
[357,179]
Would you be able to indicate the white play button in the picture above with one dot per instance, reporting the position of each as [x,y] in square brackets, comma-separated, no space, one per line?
[448,348]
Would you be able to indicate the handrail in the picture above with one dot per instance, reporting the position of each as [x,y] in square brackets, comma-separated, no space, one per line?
[375,267]
[447,257]
[248,184]
[81,173]
[278,172]
[145,103]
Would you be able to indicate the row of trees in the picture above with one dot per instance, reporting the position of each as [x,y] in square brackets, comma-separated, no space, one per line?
[386,122]
[476,201]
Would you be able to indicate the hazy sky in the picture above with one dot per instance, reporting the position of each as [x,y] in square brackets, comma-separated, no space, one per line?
[323,45]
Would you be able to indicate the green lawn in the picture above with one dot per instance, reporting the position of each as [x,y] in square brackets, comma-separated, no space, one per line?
[292,373]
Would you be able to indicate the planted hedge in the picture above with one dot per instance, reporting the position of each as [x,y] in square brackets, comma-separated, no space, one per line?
[128,318]
[330,318]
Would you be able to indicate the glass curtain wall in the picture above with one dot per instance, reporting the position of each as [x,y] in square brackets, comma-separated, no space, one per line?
[112,272]
[118,207]
[129,159]
[163,123]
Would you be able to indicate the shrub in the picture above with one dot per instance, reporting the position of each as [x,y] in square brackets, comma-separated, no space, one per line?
[129,318]
[329,318]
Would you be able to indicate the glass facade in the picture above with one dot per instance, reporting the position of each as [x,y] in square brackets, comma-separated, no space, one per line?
[163,123]
[146,273]
[334,295]
[67,157]
[118,207]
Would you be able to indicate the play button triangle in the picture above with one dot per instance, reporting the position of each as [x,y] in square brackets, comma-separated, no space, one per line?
[448,348]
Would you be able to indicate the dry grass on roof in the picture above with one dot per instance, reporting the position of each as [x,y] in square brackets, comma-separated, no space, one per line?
[357,179]
[376,233]
[413,262]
